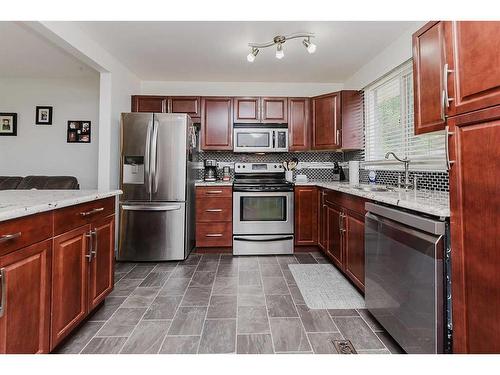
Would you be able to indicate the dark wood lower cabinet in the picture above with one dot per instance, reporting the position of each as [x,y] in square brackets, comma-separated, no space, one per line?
[306,215]
[25,296]
[354,244]
[334,235]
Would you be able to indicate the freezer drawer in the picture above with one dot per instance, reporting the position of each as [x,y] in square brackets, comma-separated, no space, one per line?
[152,231]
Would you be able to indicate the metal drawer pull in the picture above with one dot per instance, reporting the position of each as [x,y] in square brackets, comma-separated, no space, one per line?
[90,236]
[214,192]
[3,291]
[92,212]
[8,237]
[446,71]
[447,147]
[151,208]
[214,210]
[213,235]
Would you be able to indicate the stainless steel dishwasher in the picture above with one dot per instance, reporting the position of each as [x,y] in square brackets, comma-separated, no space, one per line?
[405,282]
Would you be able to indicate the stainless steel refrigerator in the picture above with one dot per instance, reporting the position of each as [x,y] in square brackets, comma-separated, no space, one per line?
[157,178]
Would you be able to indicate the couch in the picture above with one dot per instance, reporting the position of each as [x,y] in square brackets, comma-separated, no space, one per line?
[39,182]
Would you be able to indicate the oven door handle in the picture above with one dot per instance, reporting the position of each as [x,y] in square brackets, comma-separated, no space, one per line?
[263,240]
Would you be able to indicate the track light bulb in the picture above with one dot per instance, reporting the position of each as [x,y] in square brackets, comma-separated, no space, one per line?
[311,47]
[279,51]
[251,56]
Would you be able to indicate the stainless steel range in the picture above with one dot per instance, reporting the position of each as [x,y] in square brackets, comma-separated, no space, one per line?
[263,218]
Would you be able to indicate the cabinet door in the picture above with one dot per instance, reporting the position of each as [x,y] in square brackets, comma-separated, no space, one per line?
[322,227]
[247,110]
[185,104]
[326,122]
[474,60]
[216,124]
[274,110]
[306,216]
[352,120]
[475,229]
[147,103]
[354,245]
[428,64]
[102,264]
[69,282]
[299,129]
[25,296]
[334,236]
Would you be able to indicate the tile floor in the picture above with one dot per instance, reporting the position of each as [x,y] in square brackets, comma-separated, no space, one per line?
[220,304]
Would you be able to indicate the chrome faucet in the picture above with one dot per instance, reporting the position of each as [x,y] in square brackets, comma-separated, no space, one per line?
[406,162]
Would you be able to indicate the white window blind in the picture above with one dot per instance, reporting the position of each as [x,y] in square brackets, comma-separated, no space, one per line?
[389,125]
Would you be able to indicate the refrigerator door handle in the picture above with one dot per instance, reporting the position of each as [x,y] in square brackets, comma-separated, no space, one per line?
[135,207]
[154,158]
[147,157]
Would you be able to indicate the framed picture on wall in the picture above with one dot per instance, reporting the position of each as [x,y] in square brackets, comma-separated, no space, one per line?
[43,115]
[8,124]
[78,131]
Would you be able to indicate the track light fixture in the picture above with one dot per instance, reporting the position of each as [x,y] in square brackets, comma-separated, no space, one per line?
[278,41]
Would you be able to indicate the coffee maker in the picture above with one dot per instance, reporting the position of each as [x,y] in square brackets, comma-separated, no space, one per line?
[210,172]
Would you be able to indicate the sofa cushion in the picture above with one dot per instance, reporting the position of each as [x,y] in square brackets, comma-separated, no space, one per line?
[49,182]
[8,182]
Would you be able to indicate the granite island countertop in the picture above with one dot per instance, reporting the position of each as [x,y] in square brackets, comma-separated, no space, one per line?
[18,203]
[430,202]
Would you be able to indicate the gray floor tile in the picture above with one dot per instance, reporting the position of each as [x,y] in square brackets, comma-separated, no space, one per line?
[251,300]
[125,287]
[196,296]
[249,278]
[305,258]
[180,345]
[147,337]
[175,287]
[228,259]
[250,289]
[210,257]
[296,295]
[280,306]
[316,320]
[248,264]
[356,330]
[343,312]
[225,285]
[370,320]
[322,343]
[227,270]
[124,266]
[208,266]
[202,279]
[104,345]
[118,276]
[267,259]
[183,271]
[219,336]
[275,285]
[141,297]
[222,307]
[323,261]
[166,266]
[139,272]
[78,340]
[192,260]
[252,319]
[122,323]
[254,344]
[188,321]
[390,343]
[290,280]
[289,335]
[373,351]
[285,260]
[107,309]
[155,279]
[273,270]
[163,307]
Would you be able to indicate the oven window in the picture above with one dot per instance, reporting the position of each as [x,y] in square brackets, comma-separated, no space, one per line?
[263,208]
[254,139]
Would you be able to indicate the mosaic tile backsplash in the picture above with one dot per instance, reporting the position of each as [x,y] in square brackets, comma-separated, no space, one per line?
[319,166]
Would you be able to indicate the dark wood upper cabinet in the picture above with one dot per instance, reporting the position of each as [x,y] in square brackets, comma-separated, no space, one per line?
[149,103]
[299,124]
[274,110]
[185,104]
[474,65]
[428,80]
[352,120]
[216,123]
[326,117]
[306,215]
[25,317]
[246,110]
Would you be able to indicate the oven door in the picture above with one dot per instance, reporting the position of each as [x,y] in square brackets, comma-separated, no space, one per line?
[252,140]
[263,213]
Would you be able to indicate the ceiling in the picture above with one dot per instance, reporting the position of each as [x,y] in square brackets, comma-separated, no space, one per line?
[216,51]
[27,54]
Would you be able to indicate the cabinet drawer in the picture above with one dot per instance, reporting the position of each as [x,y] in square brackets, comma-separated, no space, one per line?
[216,209]
[215,191]
[347,201]
[72,217]
[214,234]
[24,231]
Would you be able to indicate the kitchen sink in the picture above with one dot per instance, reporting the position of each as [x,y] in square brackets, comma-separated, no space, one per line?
[373,188]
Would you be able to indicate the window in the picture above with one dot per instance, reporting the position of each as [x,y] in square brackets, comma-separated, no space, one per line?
[389,125]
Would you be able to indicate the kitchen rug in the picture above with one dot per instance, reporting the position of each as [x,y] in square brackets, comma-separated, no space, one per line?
[324,287]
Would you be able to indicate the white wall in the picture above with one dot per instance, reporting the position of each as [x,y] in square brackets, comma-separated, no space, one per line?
[390,57]
[42,149]
[237,88]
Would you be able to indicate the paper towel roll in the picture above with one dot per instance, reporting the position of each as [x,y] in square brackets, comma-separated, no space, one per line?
[354,173]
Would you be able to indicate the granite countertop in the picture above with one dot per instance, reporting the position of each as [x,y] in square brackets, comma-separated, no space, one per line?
[431,202]
[18,203]
[213,183]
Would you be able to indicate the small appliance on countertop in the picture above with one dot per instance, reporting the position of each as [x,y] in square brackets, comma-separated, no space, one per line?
[338,172]
[210,172]
[226,173]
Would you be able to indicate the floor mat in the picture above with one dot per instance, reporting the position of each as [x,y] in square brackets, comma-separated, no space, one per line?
[324,287]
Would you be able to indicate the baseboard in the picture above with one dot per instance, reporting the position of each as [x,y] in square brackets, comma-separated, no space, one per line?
[213,250]
[306,249]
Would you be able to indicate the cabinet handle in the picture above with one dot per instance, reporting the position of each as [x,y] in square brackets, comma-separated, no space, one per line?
[213,235]
[342,222]
[214,192]
[92,212]
[90,236]
[447,147]
[446,71]
[338,137]
[8,237]
[214,210]
[3,298]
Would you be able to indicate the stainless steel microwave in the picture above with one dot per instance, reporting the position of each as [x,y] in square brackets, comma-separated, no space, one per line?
[260,138]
